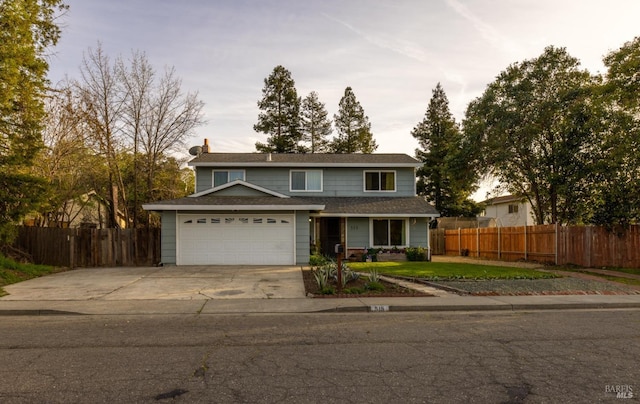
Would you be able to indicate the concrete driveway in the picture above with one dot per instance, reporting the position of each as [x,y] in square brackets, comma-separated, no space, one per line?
[170,283]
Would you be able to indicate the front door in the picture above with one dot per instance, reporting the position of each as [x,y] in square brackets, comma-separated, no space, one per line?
[329,235]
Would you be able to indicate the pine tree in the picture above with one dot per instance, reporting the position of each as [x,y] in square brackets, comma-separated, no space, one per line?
[444,179]
[280,116]
[315,125]
[353,127]
[27,30]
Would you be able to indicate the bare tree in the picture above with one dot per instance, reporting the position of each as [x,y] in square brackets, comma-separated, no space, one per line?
[102,98]
[171,118]
[137,79]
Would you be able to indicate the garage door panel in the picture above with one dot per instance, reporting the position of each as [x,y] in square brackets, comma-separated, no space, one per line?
[235,239]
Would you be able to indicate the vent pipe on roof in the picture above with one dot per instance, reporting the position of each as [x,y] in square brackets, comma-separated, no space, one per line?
[205,147]
[269,157]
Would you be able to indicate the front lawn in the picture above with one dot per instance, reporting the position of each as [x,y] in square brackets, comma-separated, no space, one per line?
[14,272]
[448,270]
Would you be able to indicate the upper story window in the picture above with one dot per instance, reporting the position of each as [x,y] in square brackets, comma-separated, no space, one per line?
[221,177]
[306,180]
[380,181]
[513,208]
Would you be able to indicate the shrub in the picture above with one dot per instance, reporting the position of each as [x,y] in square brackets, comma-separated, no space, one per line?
[374,286]
[416,254]
[374,276]
[317,260]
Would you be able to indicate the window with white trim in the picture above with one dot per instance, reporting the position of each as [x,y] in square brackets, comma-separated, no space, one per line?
[221,177]
[305,181]
[389,232]
[375,181]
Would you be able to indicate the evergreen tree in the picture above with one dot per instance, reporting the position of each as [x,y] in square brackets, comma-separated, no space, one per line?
[353,127]
[446,178]
[27,30]
[280,116]
[315,125]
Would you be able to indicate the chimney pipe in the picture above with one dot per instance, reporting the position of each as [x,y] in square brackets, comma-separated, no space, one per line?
[205,147]
[269,157]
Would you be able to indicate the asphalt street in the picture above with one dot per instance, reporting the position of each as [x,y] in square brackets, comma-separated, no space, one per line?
[569,356]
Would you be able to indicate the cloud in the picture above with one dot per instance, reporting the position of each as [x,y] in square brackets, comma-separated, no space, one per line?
[489,33]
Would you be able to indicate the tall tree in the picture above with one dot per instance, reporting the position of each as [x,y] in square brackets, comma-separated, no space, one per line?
[537,126]
[353,127]
[280,114]
[315,126]
[27,31]
[171,117]
[617,183]
[446,178]
[103,97]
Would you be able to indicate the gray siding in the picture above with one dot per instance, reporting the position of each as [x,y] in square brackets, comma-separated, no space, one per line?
[418,232]
[239,190]
[204,180]
[357,232]
[303,238]
[336,181]
[168,238]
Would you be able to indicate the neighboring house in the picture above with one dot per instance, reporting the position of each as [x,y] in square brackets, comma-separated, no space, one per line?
[273,209]
[509,211]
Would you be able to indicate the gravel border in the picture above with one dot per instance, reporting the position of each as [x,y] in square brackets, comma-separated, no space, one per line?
[518,287]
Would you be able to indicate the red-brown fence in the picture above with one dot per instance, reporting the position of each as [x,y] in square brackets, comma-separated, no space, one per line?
[588,246]
[90,247]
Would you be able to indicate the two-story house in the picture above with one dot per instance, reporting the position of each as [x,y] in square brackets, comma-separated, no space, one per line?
[273,209]
[509,211]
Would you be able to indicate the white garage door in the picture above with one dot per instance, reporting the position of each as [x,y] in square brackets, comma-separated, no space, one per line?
[236,240]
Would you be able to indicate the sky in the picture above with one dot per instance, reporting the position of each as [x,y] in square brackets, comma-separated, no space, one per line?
[392,53]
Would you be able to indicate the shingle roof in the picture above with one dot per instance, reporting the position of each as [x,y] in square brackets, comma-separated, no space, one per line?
[302,159]
[413,205]
[338,206]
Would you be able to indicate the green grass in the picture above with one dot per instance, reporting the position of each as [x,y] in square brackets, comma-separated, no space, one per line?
[14,272]
[448,270]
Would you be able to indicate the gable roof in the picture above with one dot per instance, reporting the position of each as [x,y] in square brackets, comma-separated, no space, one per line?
[238,183]
[303,160]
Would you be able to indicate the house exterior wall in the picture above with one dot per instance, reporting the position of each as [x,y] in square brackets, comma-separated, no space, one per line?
[357,232]
[505,219]
[168,238]
[418,232]
[337,181]
[303,238]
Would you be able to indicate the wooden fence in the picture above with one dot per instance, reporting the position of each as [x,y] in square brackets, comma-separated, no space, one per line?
[587,246]
[90,247]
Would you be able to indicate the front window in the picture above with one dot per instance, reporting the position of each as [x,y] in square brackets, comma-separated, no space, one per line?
[380,181]
[389,232]
[308,180]
[222,177]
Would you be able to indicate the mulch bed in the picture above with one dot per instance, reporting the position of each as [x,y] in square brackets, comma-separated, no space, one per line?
[390,289]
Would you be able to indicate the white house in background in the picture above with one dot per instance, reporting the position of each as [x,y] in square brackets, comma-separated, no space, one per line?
[509,211]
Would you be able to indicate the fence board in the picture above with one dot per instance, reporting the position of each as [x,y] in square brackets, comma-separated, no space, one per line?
[587,246]
[90,247]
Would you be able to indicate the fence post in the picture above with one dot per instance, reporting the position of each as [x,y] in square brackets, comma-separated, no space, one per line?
[499,244]
[525,242]
[556,243]
[478,241]
[459,243]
